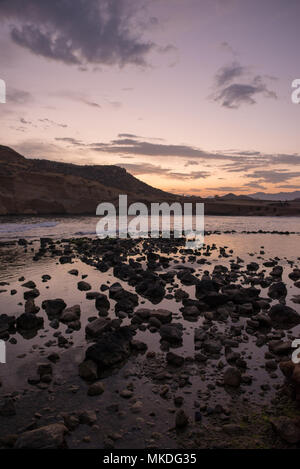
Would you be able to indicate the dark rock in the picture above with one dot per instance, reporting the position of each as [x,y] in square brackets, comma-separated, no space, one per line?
[111,349]
[284,316]
[174,359]
[29,321]
[83,286]
[48,437]
[171,332]
[181,419]
[277,290]
[232,377]
[54,308]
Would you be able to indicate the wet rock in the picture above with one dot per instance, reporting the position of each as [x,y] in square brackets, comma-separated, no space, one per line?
[73,272]
[277,290]
[83,286]
[180,294]
[111,349]
[284,316]
[287,429]
[92,295]
[30,307]
[295,275]
[212,347]
[138,345]
[252,267]
[88,370]
[102,302]
[44,369]
[277,271]
[30,284]
[232,429]
[34,293]
[97,327]
[8,409]
[181,420]
[65,259]
[215,299]
[171,332]
[54,308]
[70,314]
[163,315]
[88,417]
[71,421]
[174,359]
[126,393]
[48,437]
[95,389]
[205,286]
[280,347]
[232,377]
[151,288]
[28,321]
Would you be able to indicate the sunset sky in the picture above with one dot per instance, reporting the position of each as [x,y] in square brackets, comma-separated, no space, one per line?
[191,96]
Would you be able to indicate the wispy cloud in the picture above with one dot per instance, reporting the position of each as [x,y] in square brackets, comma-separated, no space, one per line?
[235,85]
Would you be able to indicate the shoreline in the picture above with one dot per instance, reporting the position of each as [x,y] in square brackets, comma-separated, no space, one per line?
[168,376]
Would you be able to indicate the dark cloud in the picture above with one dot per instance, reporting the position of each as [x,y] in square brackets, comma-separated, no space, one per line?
[273,176]
[129,145]
[24,121]
[191,163]
[149,168]
[227,189]
[72,141]
[228,73]
[231,93]
[254,185]
[77,97]
[78,31]
[51,122]
[128,136]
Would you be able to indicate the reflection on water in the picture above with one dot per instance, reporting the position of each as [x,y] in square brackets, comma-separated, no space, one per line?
[68,226]
[23,355]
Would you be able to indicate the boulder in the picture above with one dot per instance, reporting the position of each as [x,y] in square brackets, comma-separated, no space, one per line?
[83,286]
[97,327]
[111,349]
[48,437]
[171,332]
[54,308]
[284,316]
[70,314]
[232,377]
[277,290]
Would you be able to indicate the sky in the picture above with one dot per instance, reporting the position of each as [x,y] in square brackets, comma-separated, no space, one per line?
[190,96]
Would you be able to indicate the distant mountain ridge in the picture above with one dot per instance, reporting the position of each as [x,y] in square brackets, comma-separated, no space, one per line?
[278,196]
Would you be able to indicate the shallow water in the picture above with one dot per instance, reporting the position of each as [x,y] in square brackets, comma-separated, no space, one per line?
[22,357]
[69,226]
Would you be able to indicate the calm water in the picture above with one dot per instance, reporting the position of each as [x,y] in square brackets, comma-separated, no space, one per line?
[14,263]
[58,227]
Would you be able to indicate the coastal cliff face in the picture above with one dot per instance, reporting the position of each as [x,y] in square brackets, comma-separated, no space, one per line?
[43,187]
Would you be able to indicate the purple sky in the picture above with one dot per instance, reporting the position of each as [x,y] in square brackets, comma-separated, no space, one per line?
[192,96]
